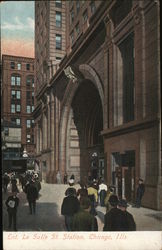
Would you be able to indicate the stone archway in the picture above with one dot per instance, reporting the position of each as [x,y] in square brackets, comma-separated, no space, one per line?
[81,120]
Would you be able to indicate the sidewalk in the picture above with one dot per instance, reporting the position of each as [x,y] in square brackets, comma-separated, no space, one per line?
[48,212]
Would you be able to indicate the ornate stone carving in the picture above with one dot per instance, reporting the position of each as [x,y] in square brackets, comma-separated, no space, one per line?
[70,74]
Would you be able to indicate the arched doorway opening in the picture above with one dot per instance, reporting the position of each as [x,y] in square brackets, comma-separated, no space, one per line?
[84,143]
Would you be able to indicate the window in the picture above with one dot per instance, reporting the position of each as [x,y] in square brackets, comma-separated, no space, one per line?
[28,109]
[32,123]
[77,29]
[18,80]
[58,58]
[16,120]
[33,82]
[33,98]
[77,6]
[28,138]
[58,41]
[28,82]
[32,138]
[12,65]
[13,80]
[12,108]
[27,66]
[72,15]
[18,108]
[28,97]
[19,66]
[93,7]
[18,94]
[28,123]
[85,16]
[13,94]
[72,37]
[58,3]
[127,52]
[58,19]
[32,108]
[6,131]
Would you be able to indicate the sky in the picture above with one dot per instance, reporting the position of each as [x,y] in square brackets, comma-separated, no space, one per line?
[17,28]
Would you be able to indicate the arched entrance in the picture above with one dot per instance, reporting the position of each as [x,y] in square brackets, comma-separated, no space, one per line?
[80,133]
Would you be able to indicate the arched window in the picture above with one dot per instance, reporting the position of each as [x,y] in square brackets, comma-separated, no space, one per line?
[30,81]
[15,80]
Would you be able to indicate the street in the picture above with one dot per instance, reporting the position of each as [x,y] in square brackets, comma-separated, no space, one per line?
[48,212]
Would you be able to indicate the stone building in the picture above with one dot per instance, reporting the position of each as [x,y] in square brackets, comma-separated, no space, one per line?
[99,112]
[18,97]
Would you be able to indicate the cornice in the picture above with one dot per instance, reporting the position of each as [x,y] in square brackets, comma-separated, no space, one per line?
[130,127]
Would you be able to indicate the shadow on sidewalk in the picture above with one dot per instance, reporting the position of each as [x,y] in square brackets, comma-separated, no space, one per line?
[47,218]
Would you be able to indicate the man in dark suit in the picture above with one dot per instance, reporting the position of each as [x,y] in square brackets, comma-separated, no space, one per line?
[69,207]
[12,204]
[114,218]
[32,196]
[129,224]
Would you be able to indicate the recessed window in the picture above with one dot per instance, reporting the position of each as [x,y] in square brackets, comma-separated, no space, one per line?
[28,109]
[72,37]
[28,137]
[77,29]
[32,108]
[72,15]
[12,65]
[12,108]
[58,19]
[58,3]
[93,7]
[18,108]
[28,123]
[27,66]
[33,82]
[58,41]
[77,6]
[18,94]
[58,58]
[15,80]
[19,66]
[13,94]
[16,120]
[6,131]
[85,16]
[18,80]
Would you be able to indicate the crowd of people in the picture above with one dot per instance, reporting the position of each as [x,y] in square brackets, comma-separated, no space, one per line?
[78,206]
[12,183]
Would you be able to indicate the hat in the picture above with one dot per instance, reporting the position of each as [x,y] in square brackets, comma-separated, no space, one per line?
[85,203]
[123,203]
[113,200]
[71,181]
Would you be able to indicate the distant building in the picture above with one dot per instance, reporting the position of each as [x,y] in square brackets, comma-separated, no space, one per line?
[99,111]
[18,97]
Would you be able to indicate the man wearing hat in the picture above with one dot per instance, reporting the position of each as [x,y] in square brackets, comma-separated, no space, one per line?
[12,204]
[113,220]
[140,193]
[69,207]
[129,223]
[83,220]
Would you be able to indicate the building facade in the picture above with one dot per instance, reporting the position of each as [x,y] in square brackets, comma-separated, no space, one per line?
[18,97]
[101,110]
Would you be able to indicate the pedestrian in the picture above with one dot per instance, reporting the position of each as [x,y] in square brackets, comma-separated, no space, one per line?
[140,193]
[130,224]
[14,184]
[69,207]
[83,220]
[6,181]
[82,192]
[32,196]
[58,177]
[93,196]
[114,219]
[71,189]
[12,204]
[110,191]
[65,178]
[102,192]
